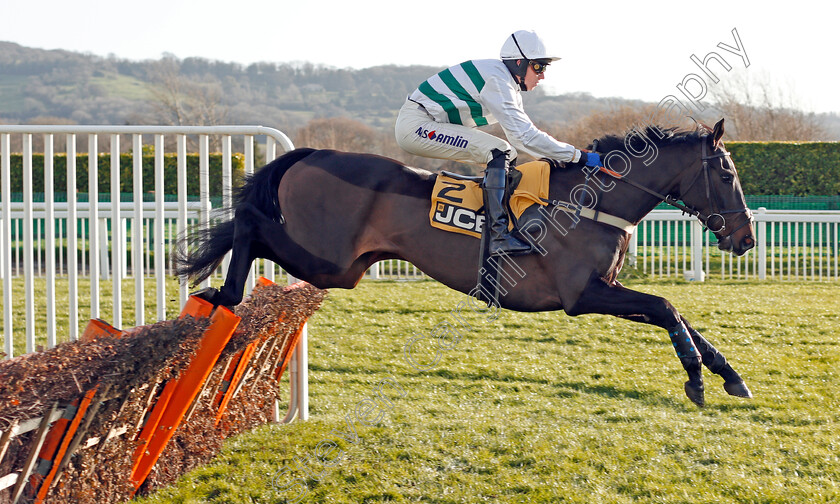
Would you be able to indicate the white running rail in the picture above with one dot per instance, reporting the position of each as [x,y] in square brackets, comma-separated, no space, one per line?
[142,229]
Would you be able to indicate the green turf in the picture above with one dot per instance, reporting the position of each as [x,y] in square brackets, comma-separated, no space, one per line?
[549,408]
[62,301]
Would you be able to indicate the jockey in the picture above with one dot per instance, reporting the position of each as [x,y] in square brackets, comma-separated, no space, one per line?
[440,120]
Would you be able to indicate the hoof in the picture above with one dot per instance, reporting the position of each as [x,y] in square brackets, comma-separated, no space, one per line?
[207,294]
[737,389]
[695,393]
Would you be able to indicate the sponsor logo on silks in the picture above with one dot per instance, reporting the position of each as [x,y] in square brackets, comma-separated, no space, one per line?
[463,218]
[454,141]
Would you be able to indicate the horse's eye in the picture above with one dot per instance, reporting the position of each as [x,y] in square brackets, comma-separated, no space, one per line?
[726,177]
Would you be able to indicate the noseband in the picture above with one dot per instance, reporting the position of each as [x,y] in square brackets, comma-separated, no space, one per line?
[715,221]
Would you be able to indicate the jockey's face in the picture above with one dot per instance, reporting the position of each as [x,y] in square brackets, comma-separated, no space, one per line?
[532,78]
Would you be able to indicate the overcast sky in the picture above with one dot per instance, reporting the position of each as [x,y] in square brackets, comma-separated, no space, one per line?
[626,49]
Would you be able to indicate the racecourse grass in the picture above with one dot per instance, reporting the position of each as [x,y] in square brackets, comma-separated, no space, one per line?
[544,408]
[62,308]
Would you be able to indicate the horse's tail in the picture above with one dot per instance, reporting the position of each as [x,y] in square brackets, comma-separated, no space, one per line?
[200,252]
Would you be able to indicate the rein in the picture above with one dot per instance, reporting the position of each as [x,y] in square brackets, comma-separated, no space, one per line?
[715,221]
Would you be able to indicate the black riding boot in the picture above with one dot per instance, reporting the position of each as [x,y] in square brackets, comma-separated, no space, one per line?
[495,180]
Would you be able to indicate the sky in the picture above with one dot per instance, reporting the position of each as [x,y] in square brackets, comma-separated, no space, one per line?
[635,50]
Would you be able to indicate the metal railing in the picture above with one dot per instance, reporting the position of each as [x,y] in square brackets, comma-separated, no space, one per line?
[129,240]
[790,245]
[128,228]
[395,269]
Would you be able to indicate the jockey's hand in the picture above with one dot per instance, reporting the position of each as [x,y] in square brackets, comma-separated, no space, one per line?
[591,159]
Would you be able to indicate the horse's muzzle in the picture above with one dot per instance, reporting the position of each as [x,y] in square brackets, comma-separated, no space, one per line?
[740,240]
[739,247]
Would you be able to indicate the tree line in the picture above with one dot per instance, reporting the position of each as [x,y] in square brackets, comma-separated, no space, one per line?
[328,107]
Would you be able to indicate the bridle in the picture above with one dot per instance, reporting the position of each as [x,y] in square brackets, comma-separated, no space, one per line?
[715,221]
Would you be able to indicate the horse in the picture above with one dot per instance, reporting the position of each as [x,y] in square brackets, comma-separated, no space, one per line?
[326,216]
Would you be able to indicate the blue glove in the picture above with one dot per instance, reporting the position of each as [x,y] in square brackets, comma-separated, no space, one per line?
[591,159]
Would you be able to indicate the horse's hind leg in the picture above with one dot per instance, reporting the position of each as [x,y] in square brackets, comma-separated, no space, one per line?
[245,237]
[716,362]
[615,299]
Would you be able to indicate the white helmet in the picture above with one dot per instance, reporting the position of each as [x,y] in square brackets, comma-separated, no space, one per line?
[525,44]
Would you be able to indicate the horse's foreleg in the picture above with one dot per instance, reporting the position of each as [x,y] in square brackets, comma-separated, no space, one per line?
[716,362]
[615,299]
[712,359]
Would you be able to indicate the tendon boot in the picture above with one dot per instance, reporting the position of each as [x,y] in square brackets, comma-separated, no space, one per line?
[494,184]
[716,362]
[691,361]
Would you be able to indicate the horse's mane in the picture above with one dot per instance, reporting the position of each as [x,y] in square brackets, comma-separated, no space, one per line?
[657,135]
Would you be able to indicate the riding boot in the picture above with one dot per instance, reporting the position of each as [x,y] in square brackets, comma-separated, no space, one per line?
[494,185]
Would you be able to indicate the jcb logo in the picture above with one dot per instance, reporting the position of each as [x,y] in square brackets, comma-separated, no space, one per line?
[459,217]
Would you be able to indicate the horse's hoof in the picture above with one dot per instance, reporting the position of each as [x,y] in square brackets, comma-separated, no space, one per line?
[737,389]
[207,294]
[695,393]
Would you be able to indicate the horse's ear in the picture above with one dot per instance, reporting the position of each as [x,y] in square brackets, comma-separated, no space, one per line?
[717,133]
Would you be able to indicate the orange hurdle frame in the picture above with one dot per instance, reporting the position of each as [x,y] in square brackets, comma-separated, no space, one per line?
[166,416]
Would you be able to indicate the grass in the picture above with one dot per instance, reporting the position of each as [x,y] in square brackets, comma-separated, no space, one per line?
[548,408]
[62,301]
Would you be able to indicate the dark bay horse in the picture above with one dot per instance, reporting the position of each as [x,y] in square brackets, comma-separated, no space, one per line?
[327,216]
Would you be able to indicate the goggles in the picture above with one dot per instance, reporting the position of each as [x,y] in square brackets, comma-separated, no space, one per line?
[538,66]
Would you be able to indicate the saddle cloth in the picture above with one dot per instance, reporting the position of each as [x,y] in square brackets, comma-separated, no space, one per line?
[457,201]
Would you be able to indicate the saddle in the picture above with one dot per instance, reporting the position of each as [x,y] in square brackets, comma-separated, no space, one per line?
[458,204]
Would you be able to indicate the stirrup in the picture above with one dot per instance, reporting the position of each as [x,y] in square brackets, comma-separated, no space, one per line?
[509,245]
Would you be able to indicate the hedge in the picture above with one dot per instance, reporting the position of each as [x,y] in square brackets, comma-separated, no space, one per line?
[765,168]
[788,168]
[170,170]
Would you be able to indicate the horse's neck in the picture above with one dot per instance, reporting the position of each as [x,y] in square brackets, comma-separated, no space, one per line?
[661,176]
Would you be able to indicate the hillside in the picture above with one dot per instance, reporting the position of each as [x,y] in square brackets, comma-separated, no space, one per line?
[49,86]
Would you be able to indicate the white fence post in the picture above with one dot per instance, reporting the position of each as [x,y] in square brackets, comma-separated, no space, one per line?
[204,187]
[302,358]
[6,242]
[28,260]
[72,239]
[94,227]
[270,154]
[49,231]
[227,189]
[44,224]
[182,203]
[298,378]
[137,231]
[251,280]
[697,250]
[105,259]
[761,231]
[159,240]
[116,232]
